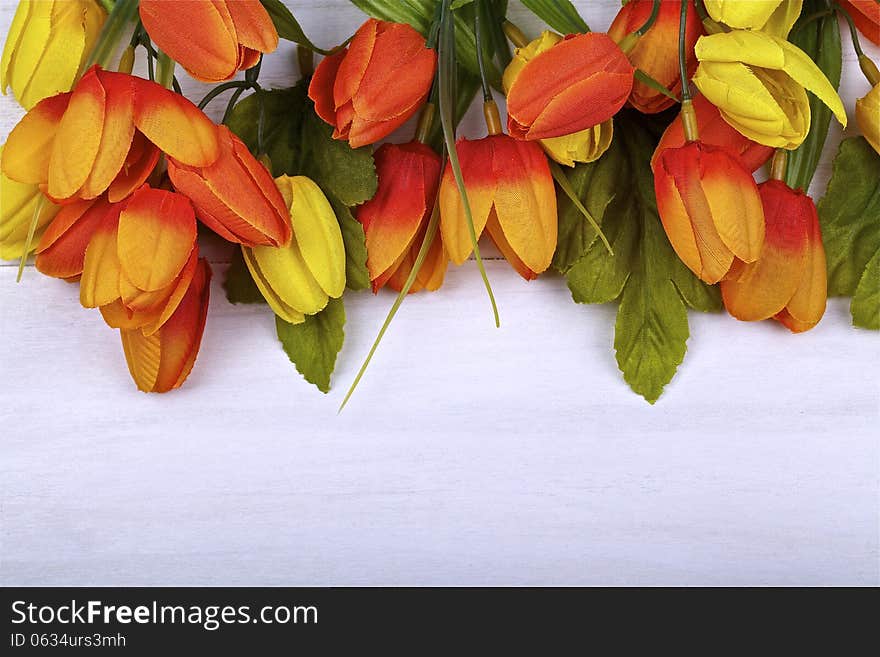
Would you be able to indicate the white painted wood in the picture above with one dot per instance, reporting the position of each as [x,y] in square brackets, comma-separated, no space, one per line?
[469,455]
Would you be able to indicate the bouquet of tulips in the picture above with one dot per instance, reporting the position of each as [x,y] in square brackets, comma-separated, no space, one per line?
[627,164]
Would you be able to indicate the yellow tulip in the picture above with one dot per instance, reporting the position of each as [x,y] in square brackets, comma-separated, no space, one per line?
[298,279]
[758,82]
[868,116]
[19,203]
[47,44]
[772,16]
[584,146]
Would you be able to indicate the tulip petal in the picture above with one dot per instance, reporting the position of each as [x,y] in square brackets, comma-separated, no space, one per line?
[24,25]
[19,203]
[157,233]
[321,86]
[25,156]
[253,25]
[285,281]
[808,303]
[62,249]
[736,13]
[353,66]
[496,232]
[139,164]
[431,274]
[99,284]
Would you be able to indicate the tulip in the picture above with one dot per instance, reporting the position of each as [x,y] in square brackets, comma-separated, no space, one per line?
[211,39]
[868,116]
[715,131]
[775,17]
[161,361]
[235,195]
[298,279]
[788,280]
[656,52]
[105,136]
[578,83]
[511,195]
[47,45]
[374,86]
[710,208]
[759,82]
[584,146]
[395,219]
[866,16]
[62,248]
[20,203]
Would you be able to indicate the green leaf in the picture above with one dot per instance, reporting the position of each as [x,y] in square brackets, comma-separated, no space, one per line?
[865,305]
[653,286]
[820,39]
[239,284]
[850,217]
[558,14]
[357,276]
[456,4]
[287,26]
[313,345]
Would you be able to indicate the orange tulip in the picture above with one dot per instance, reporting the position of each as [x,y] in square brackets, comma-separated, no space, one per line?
[788,281]
[396,218]
[235,196]
[866,16]
[656,53]
[511,195]
[61,250]
[710,208]
[580,82]
[370,89]
[715,131]
[105,136]
[211,39]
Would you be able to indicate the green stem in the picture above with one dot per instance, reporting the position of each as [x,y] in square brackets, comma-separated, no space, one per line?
[32,229]
[219,89]
[108,5]
[655,9]
[682,57]
[478,34]
[165,73]
[122,14]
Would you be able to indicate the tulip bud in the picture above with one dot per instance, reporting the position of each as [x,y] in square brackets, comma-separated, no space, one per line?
[511,195]
[759,83]
[47,44]
[580,82]
[788,280]
[298,279]
[656,52]
[374,86]
[395,219]
[710,208]
[771,16]
[584,146]
[20,202]
[868,116]
[211,39]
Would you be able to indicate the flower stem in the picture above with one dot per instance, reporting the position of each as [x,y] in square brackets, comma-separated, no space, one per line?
[779,165]
[123,13]
[682,54]
[869,68]
[165,72]
[306,58]
[651,19]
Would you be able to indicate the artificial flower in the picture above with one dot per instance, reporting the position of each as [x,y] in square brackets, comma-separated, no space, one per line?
[511,195]
[710,208]
[395,219]
[771,16]
[211,39]
[656,52]
[868,116]
[300,278]
[371,88]
[47,45]
[788,280]
[586,145]
[234,195]
[866,16]
[578,83]
[61,250]
[20,203]
[715,131]
[759,82]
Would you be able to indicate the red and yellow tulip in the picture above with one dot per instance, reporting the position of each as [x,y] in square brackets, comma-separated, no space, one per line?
[47,45]
[511,195]
[396,218]
[211,39]
[580,82]
[788,281]
[656,52]
[371,88]
[710,207]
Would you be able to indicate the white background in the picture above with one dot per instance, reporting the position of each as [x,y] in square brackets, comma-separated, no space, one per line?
[469,455]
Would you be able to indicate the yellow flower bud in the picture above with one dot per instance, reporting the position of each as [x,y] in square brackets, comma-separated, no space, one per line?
[298,279]
[47,44]
[19,203]
[759,83]
[772,16]
[584,146]
[868,116]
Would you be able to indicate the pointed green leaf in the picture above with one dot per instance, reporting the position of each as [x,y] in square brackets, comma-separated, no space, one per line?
[558,14]
[313,345]
[865,305]
[286,25]
[357,276]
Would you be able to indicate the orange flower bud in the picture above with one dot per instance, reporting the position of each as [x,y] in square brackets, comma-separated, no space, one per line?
[710,208]
[866,16]
[211,39]
[235,196]
[370,89]
[656,52]
[788,281]
[395,219]
[580,82]
[715,131]
[511,195]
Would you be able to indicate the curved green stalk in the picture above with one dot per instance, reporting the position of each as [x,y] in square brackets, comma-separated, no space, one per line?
[565,185]
[32,229]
